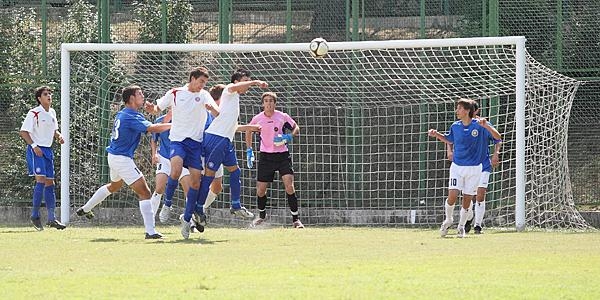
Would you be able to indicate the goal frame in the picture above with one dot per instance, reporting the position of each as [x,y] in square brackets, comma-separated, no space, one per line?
[520,62]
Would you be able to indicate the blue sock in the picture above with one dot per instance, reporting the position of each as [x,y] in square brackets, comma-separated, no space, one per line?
[190,204]
[38,194]
[50,199]
[236,188]
[170,191]
[203,193]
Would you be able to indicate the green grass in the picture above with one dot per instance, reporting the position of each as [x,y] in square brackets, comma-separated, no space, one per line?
[282,263]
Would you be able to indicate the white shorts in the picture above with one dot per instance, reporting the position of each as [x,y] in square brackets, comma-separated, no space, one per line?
[219,172]
[123,168]
[464,178]
[484,180]
[164,167]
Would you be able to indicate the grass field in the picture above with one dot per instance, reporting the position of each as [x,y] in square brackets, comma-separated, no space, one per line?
[282,263]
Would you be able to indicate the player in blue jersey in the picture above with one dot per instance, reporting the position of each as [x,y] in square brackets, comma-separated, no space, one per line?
[218,149]
[128,126]
[478,208]
[160,146]
[39,129]
[465,171]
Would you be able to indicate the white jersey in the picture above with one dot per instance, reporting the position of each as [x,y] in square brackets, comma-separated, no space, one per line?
[41,125]
[189,112]
[225,124]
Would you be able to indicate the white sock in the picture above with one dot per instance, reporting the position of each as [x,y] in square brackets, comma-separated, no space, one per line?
[155,202]
[209,199]
[464,215]
[98,197]
[479,212]
[147,215]
[449,209]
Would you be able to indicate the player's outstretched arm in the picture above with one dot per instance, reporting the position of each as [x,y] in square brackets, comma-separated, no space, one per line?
[242,86]
[496,155]
[434,133]
[158,128]
[151,108]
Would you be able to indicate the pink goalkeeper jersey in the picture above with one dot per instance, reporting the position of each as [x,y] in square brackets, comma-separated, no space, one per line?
[270,128]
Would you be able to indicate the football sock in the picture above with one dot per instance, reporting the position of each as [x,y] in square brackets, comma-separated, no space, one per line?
[38,194]
[236,188]
[209,199]
[170,191]
[479,212]
[190,204]
[50,199]
[155,200]
[98,196]
[205,182]
[262,205]
[449,210]
[147,215]
[464,214]
[293,203]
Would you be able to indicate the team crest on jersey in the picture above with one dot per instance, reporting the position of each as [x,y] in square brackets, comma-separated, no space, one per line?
[38,170]
[197,99]
[211,164]
[474,133]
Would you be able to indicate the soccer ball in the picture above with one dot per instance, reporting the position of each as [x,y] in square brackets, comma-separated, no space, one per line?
[318,47]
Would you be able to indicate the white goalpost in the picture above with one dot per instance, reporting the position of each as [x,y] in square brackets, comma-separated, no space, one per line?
[363,156]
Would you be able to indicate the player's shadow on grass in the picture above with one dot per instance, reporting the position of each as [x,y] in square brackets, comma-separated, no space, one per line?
[201,241]
[104,240]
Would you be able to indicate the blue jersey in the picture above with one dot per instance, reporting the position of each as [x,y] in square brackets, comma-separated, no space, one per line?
[164,143]
[127,129]
[469,142]
[209,120]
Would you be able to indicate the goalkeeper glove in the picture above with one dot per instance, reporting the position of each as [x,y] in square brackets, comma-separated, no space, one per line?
[250,157]
[283,139]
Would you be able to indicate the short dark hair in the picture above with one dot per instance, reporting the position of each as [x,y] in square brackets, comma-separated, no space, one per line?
[468,105]
[216,91]
[129,91]
[40,90]
[198,72]
[267,94]
[239,73]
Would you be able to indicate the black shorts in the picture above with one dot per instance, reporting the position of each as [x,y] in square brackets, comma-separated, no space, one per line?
[268,163]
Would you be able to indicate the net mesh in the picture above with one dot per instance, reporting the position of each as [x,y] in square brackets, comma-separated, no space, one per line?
[363,156]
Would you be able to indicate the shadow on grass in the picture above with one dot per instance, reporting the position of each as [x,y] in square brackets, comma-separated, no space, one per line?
[200,241]
[104,240]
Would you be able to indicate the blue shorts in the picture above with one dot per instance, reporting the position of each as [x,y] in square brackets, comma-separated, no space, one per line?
[218,150]
[40,166]
[190,151]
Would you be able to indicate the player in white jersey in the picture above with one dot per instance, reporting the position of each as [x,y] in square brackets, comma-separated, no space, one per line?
[129,125]
[218,149]
[39,129]
[188,105]
[465,171]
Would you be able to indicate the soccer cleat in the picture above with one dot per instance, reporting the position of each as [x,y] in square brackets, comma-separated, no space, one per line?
[468,226]
[56,224]
[37,224]
[444,228]
[241,212]
[258,221]
[155,236]
[199,221]
[165,213]
[477,229]
[298,224]
[80,212]
[185,228]
[461,232]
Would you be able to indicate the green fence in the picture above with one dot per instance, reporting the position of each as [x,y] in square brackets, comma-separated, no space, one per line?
[562,34]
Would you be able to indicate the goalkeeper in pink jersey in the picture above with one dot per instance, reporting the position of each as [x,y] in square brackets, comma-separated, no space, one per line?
[274,155]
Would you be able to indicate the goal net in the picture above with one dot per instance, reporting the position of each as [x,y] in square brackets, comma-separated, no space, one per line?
[363,156]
